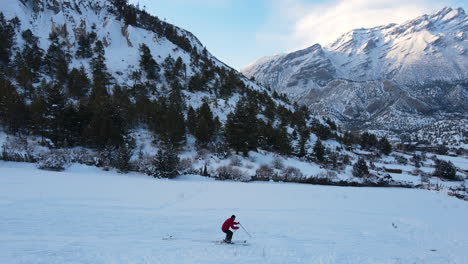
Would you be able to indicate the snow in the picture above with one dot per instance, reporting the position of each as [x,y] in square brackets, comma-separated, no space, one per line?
[85,215]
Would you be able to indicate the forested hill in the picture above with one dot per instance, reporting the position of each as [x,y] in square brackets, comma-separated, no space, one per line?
[89,73]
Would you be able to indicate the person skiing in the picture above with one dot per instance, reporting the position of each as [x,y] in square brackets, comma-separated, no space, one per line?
[229,223]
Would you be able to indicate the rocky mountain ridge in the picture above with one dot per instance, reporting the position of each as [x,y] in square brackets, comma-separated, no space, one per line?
[396,77]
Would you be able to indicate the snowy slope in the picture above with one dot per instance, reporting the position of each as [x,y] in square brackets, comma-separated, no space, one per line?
[71,19]
[85,215]
[415,70]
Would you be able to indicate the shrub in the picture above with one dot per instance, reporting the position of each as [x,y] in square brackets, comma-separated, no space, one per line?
[360,169]
[329,175]
[291,174]
[228,173]
[445,169]
[82,156]
[186,166]
[417,160]
[278,163]
[54,161]
[264,172]
[236,161]
[401,160]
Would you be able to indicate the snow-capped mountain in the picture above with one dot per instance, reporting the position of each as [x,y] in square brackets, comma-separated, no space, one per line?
[395,77]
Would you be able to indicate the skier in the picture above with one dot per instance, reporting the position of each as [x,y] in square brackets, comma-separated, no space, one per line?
[229,223]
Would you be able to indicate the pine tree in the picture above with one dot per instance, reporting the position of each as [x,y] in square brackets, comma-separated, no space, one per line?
[191,120]
[7,37]
[360,169]
[168,66]
[304,135]
[384,146]
[38,111]
[32,54]
[54,115]
[166,163]
[205,127]
[101,78]
[84,50]
[282,143]
[23,75]
[241,127]
[56,60]
[173,123]
[445,169]
[319,151]
[148,64]
[13,111]
[106,126]
[368,140]
[78,83]
[124,154]
[72,126]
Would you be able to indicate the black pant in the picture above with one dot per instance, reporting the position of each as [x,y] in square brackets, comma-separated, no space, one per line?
[228,235]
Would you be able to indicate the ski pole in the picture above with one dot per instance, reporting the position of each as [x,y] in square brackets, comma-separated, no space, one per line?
[245,230]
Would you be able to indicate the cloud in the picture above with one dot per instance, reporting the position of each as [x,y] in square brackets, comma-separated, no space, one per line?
[296,24]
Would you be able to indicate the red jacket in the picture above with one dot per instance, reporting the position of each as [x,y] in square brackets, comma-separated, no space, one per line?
[229,223]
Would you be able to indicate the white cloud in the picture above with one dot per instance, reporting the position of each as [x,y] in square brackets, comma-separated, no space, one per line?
[297,24]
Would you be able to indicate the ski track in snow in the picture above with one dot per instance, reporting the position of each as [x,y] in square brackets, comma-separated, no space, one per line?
[85,215]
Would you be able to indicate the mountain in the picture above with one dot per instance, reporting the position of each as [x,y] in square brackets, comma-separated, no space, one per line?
[398,77]
[96,73]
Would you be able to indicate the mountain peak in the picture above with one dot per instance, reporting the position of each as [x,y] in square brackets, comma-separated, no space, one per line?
[448,13]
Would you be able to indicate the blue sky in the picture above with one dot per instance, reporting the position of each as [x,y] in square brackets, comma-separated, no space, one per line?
[239,32]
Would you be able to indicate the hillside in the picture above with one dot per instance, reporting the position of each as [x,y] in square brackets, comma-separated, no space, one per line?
[396,77]
[100,74]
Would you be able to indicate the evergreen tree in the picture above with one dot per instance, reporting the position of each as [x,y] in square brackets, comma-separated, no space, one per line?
[56,60]
[85,41]
[191,120]
[101,78]
[148,64]
[7,37]
[78,83]
[241,127]
[32,54]
[445,169]
[304,135]
[322,131]
[168,66]
[23,75]
[417,160]
[282,143]
[349,139]
[38,110]
[196,83]
[13,112]
[173,124]
[124,154]
[166,163]
[122,104]
[319,150]
[55,115]
[205,127]
[360,169]
[384,146]
[368,140]
[106,126]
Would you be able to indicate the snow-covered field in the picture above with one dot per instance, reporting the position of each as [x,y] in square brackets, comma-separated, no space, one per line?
[85,215]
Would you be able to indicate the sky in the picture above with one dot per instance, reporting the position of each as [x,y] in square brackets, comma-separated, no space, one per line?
[238,32]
